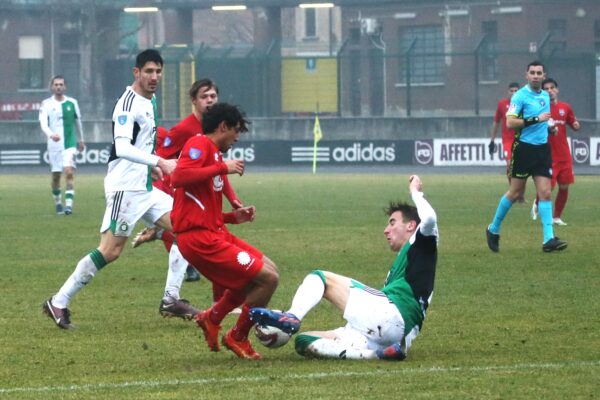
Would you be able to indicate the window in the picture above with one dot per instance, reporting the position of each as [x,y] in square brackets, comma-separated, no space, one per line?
[310,23]
[31,62]
[488,52]
[558,35]
[427,56]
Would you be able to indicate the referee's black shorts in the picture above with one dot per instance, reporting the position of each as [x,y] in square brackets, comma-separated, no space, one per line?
[530,160]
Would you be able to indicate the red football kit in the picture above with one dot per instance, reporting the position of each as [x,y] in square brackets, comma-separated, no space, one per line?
[562,164]
[508,135]
[199,221]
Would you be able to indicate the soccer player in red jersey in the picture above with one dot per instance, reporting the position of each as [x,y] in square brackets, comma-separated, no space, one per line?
[562,161]
[204,240]
[203,94]
[508,135]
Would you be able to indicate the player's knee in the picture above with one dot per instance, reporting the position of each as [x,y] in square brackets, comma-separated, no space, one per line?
[270,276]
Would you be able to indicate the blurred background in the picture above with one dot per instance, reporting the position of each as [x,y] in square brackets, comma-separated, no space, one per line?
[381,69]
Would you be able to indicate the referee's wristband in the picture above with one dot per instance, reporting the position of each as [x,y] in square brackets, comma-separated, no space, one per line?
[531,121]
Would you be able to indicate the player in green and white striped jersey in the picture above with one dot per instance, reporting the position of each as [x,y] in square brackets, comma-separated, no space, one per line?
[59,115]
[381,324]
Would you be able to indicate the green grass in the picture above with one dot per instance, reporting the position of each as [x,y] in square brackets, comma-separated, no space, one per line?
[518,324]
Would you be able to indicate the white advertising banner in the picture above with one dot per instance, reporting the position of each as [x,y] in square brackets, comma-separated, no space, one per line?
[466,152]
[595,151]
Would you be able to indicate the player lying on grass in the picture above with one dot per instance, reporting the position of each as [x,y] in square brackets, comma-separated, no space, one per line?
[380,323]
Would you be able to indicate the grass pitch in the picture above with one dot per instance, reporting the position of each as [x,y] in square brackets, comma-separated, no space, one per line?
[518,324]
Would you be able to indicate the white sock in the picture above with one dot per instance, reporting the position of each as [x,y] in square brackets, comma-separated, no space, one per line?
[84,272]
[308,295]
[175,275]
[330,348]
[69,194]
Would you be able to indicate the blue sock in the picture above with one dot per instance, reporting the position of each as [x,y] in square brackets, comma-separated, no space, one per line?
[503,208]
[545,211]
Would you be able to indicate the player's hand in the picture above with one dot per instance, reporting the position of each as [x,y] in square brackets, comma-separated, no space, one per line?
[235,167]
[166,166]
[576,125]
[55,137]
[236,203]
[156,174]
[415,184]
[245,214]
[492,147]
[545,116]
[80,146]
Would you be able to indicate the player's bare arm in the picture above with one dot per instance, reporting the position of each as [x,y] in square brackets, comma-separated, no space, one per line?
[166,166]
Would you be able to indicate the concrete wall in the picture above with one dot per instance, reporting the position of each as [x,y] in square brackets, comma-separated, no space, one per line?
[17,132]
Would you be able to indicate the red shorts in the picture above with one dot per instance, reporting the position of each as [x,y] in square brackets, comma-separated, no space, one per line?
[507,147]
[562,173]
[221,257]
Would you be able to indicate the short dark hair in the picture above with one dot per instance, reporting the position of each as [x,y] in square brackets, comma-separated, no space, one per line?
[549,80]
[535,63]
[55,77]
[409,212]
[146,56]
[224,112]
[514,85]
[199,84]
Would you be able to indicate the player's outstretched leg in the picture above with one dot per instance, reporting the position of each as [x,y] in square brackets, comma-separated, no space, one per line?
[285,321]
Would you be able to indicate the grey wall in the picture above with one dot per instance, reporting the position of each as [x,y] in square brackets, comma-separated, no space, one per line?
[16,132]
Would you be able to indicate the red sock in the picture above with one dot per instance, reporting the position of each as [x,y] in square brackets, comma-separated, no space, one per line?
[228,302]
[560,202]
[218,292]
[243,325]
[168,238]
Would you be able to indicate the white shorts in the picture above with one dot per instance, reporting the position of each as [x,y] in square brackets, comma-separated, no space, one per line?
[373,320]
[61,159]
[125,209]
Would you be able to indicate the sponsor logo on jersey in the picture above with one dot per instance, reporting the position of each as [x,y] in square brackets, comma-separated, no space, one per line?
[167,141]
[217,183]
[561,112]
[195,153]
[121,119]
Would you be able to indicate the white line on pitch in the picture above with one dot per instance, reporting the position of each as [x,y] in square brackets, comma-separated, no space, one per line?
[318,375]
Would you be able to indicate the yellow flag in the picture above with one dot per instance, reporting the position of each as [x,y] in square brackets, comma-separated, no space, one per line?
[317,130]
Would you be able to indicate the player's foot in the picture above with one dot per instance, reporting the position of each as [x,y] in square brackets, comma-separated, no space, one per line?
[60,316]
[59,209]
[177,308]
[241,349]
[191,275]
[391,353]
[558,221]
[68,210]
[534,211]
[209,328]
[285,321]
[493,240]
[147,235]
[554,244]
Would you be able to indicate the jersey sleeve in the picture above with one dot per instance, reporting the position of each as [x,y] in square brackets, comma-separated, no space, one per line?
[516,106]
[43,118]
[499,112]
[428,225]
[192,165]
[571,119]
[123,123]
